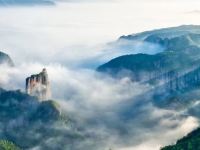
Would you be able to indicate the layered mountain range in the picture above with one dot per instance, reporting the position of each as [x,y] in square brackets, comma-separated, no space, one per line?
[173,73]
[180,54]
[175,69]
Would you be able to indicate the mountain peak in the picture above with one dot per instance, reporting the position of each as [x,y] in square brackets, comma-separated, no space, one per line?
[38,85]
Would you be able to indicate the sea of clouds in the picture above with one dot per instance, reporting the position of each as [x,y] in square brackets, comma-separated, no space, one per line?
[100,106]
[69,39]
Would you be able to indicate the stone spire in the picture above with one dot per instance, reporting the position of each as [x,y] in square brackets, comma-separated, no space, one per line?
[38,85]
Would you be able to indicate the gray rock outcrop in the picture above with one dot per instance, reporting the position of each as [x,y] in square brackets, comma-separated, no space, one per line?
[38,85]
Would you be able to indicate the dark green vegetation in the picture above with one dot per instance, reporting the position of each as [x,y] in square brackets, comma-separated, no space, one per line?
[7,145]
[5,59]
[23,105]
[190,142]
[29,123]
[37,123]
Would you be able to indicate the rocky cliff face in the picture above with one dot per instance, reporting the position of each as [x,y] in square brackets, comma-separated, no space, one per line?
[38,85]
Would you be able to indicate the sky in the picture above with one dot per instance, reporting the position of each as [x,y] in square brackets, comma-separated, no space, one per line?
[77,31]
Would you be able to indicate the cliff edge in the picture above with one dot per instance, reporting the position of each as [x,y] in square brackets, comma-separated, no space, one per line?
[38,85]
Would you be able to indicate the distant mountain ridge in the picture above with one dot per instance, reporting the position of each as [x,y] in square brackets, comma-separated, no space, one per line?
[181,52]
[173,73]
[26,2]
[164,32]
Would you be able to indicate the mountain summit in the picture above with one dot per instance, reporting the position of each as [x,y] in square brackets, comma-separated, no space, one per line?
[38,85]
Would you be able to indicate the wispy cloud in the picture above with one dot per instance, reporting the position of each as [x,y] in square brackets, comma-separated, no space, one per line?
[193,12]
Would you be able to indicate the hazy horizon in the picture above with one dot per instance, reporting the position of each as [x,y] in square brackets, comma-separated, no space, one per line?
[79,29]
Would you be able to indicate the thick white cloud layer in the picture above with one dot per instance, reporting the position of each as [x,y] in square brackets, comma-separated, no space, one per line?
[96,102]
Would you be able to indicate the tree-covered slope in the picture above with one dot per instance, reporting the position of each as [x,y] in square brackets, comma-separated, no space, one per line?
[7,145]
[190,142]
[150,65]
[28,122]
